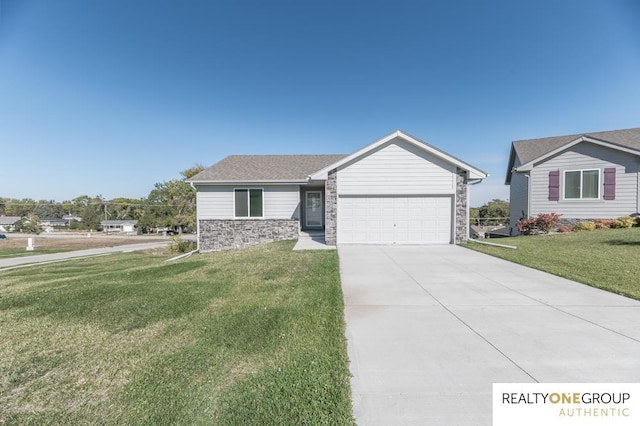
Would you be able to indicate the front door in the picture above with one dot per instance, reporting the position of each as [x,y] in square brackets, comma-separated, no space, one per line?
[313,209]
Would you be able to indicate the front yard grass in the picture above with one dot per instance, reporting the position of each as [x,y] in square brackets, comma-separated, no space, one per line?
[248,337]
[606,259]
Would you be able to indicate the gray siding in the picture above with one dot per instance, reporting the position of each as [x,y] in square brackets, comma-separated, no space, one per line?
[397,168]
[518,197]
[587,156]
[280,201]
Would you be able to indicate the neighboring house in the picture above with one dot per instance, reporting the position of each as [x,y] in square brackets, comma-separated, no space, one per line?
[119,225]
[8,223]
[398,190]
[584,176]
[71,218]
[49,224]
[53,222]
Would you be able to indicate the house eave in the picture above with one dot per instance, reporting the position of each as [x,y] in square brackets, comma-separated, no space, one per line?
[248,182]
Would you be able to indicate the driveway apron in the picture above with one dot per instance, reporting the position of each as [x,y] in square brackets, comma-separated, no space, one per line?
[431,328]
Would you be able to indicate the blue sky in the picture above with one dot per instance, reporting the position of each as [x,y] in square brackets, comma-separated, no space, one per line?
[108,97]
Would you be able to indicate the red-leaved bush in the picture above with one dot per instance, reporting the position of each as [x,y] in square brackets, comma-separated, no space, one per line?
[542,224]
[547,222]
[526,225]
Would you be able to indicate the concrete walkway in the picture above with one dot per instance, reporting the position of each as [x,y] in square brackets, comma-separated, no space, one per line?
[312,241]
[14,262]
[431,328]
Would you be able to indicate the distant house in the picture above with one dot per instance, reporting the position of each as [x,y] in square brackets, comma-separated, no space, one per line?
[53,222]
[71,218]
[128,226]
[8,223]
[397,190]
[582,176]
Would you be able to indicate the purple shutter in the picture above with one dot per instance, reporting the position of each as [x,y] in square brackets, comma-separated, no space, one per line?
[554,185]
[610,183]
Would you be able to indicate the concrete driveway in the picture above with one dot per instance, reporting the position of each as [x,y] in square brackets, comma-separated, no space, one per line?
[431,328]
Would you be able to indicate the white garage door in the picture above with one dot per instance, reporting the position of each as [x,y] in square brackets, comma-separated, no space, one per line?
[394,220]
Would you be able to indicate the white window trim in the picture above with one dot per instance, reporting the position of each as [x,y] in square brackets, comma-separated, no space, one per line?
[564,182]
[233,194]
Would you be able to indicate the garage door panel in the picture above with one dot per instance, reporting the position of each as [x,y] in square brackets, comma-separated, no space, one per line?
[394,220]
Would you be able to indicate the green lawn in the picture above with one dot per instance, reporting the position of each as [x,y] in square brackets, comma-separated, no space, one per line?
[607,259]
[249,337]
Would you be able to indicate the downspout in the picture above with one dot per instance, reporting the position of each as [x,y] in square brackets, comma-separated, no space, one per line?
[197,219]
[638,187]
[528,176]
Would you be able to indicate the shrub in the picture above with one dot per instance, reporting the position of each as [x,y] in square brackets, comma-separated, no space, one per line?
[565,229]
[178,245]
[543,223]
[546,222]
[602,223]
[623,222]
[637,221]
[585,226]
[526,225]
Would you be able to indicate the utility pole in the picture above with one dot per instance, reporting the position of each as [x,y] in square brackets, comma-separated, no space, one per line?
[105,220]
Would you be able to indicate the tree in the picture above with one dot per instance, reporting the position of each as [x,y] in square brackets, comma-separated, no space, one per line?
[192,171]
[172,204]
[474,213]
[21,208]
[125,208]
[46,209]
[30,225]
[494,212]
[93,211]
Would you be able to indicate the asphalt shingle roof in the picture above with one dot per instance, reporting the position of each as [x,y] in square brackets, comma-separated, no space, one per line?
[530,149]
[266,167]
[9,220]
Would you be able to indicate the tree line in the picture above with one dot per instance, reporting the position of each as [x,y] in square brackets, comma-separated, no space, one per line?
[170,204]
[494,212]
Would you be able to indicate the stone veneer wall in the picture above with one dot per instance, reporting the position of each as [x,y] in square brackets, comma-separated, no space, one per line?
[462,201]
[223,234]
[331,208]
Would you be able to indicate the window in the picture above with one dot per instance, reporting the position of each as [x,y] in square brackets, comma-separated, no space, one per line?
[248,202]
[582,184]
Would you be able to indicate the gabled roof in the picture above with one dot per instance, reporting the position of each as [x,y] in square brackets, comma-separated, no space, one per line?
[474,173]
[531,151]
[9,220]
[264,168]
[300,168]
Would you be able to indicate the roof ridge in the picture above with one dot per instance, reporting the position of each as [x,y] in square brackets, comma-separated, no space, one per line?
[577,135]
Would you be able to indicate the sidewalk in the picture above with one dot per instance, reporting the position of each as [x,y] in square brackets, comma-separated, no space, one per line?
[14,262]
